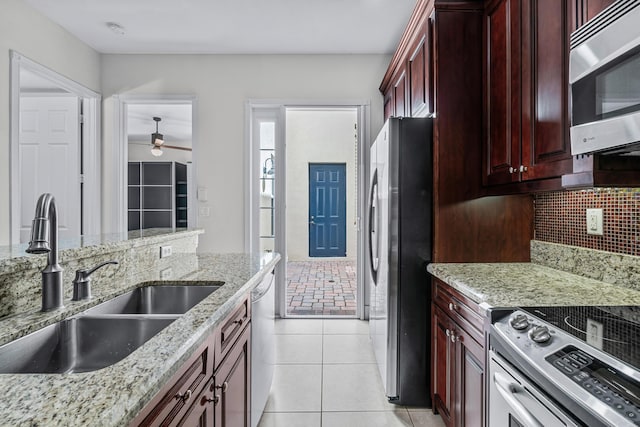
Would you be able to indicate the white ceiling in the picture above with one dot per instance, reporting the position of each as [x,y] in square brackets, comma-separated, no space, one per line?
[234,26]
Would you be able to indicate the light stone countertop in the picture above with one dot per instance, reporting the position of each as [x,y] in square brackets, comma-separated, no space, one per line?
[529,284]
[114,395]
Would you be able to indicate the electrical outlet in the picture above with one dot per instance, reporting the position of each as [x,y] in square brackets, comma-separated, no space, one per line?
[166,274]
[165,251]
[205,211]
[594,222]
[594,333]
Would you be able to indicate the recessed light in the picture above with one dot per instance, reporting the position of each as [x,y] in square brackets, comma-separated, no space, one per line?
[116,28]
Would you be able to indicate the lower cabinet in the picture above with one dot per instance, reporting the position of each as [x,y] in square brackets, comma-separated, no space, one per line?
[208,392]
[232,385]
[458,369]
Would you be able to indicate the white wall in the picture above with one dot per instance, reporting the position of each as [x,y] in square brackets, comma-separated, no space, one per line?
[317,136]
[26,31]
[223,84]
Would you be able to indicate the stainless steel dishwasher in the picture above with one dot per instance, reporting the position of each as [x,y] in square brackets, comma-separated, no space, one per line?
[263,350]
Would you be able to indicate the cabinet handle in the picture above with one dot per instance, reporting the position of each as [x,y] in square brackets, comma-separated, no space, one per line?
[523,168]
[454,337]
[184,396]
[511,169]
[215,399]
[448,332]
[453,306]
[239,322]
[224,387]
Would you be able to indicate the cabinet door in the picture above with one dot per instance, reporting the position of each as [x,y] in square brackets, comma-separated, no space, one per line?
[200,414]
[546,148]
[502,92]
[421,83]
[591,8]
[400,93]
[388,104]
[470,381]
[443,359]
[233,386]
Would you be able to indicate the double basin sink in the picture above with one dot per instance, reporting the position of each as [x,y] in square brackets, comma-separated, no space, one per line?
[102,335]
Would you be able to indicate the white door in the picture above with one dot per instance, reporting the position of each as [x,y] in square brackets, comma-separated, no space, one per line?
[49,161]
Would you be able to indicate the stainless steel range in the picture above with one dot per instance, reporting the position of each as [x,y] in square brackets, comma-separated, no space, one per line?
[565,366]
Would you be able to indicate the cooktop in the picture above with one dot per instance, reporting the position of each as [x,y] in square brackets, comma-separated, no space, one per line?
[612,329]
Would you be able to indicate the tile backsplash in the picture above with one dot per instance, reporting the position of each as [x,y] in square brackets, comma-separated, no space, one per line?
[560,217]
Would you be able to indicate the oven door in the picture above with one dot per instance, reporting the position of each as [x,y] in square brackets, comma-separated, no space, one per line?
[515,402]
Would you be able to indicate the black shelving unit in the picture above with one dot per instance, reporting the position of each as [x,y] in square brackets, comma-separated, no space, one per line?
[157,195]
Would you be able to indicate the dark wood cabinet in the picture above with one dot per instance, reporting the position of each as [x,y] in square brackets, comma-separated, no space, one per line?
[590,8]
[502,78]
[213,388]
[232,385]
[458,361]
[400,93]
[526,93]
[420,74]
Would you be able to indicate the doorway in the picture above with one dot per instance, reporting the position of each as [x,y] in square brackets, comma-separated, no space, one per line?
[311,282]
[54,149]
[157,163]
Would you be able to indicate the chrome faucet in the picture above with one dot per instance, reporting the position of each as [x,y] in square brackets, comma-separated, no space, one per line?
[44,239]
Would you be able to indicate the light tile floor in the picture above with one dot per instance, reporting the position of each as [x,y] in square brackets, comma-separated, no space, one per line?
[326,376]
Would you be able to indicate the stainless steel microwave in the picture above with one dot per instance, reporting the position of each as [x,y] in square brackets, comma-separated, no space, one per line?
[604,77]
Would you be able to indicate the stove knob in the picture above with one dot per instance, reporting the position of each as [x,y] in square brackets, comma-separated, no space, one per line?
[540,334]
[519,322]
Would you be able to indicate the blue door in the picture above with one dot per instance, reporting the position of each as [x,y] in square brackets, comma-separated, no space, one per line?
[327,210]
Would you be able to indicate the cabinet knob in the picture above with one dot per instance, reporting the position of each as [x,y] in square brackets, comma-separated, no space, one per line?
[215,400]
[448,332]
[453,307]
[511,169]
[523,168]
[184,396]
[239,322]
[454,337]
[224,387]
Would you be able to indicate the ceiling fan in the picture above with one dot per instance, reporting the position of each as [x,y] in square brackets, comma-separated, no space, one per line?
[157,142]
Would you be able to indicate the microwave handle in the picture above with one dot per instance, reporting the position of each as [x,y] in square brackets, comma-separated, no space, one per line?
[508,389]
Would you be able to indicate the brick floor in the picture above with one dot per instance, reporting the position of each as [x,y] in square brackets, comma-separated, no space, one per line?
[321,288]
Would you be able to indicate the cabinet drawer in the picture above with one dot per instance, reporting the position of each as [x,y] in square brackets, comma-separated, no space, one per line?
[173,401]
[461,309]
[230,330]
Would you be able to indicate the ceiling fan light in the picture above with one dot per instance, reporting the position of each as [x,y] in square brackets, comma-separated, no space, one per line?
[156,151]
[157,139]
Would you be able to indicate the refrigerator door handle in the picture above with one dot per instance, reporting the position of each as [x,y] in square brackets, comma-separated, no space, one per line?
[373,227]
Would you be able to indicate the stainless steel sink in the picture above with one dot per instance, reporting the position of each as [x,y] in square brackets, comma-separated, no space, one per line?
[79,344]
[156,300]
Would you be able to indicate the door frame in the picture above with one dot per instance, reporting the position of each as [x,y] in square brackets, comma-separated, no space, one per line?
[345,208]
[120,157]
[252,244]
[91,139]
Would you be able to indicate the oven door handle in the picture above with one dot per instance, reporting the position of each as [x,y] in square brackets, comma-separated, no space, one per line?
[508,390]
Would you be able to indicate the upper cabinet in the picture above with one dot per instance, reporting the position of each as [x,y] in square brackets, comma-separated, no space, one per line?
[408,84]
[526,91]
[587,9]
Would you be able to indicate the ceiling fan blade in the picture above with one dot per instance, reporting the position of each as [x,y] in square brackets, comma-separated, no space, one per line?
[175,147]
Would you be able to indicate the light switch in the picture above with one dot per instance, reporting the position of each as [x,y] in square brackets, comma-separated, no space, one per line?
[594,222]
[205,211]
[202,194]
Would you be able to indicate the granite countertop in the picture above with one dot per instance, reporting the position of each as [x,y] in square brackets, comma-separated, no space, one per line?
[114,395]
[529,284]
